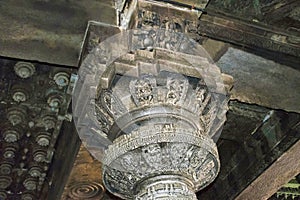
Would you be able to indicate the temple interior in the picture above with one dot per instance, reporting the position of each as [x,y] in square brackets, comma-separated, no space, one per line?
[254,43]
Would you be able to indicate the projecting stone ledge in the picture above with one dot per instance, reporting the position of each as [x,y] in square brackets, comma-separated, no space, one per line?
[261,81]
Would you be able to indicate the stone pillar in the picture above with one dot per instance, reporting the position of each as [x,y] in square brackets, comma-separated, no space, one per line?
[149,104]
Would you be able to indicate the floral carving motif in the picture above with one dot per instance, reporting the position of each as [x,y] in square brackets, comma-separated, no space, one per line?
[142,90]
[152,155]
[112,104]
[145,92]
[177,90]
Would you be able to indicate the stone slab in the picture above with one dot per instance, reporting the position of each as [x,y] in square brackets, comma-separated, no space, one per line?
[261,81]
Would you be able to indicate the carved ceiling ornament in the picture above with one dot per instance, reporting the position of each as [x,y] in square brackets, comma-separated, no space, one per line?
[86,190]
[150,104]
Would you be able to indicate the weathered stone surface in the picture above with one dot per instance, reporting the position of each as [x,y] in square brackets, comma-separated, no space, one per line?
[261,81]
[85,181]
[262,26]
[280,172]
[277,14]
[216,49]
[253,139]
[49,31]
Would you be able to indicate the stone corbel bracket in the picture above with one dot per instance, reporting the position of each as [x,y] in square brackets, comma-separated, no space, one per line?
[177,15]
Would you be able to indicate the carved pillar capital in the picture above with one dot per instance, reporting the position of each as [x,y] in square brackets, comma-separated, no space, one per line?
[152,102]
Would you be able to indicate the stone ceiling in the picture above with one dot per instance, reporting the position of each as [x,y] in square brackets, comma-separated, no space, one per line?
[255,42]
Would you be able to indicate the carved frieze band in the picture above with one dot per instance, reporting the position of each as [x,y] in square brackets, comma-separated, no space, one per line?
[155,156]
[247,35]
[153,135]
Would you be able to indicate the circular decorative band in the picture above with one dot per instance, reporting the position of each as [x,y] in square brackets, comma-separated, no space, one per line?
[160,187]
[147,153]
[136,139]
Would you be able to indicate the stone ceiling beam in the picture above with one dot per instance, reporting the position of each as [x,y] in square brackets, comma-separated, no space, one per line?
[252,140]
[280,172]
[62,162]
[261,39]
